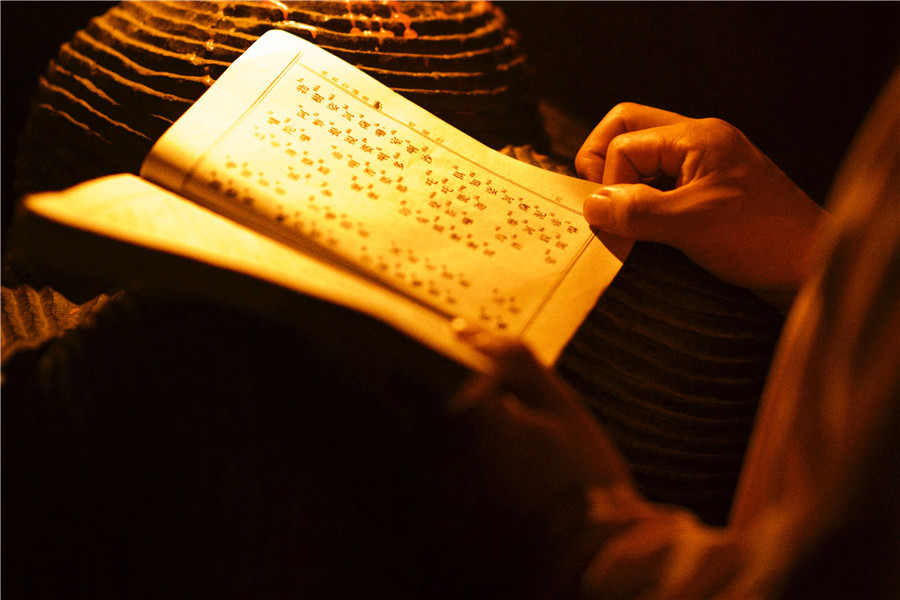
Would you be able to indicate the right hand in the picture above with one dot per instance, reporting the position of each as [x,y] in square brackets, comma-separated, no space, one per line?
[732,211]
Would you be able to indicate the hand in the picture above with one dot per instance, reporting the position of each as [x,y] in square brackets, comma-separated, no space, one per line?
[527,448]
[536,448]
[730,210]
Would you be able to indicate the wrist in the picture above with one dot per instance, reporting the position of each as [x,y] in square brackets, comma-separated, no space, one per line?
[577,529]
[807,235]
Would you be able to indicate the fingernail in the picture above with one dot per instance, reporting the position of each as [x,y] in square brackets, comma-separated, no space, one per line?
[602,194]
[466,330]
[596,206]
[472,334]
[461,326]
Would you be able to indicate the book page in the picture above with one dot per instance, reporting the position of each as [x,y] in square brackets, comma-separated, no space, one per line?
[296,143]
[128,209]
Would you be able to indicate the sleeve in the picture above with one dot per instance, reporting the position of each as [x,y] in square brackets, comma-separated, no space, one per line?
[664,552]
[816,510]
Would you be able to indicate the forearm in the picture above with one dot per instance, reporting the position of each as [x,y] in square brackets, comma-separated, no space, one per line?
[648,551]
[533,449]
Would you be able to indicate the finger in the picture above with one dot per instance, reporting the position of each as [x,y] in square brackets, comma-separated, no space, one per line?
[519,371]
[624,118]
[647,155]
[632,211]
[477,389]
[480,400]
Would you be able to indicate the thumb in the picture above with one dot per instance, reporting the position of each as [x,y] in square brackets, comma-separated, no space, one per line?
[633,211]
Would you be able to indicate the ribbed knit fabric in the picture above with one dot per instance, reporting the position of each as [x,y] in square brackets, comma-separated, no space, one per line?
[31,317]
[673,362]
[170,448]
[120,82]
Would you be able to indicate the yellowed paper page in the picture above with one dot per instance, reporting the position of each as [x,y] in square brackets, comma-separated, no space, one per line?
[134,211]
[298,144]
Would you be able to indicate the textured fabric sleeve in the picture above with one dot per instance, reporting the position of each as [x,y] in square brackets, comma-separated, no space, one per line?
[816,512]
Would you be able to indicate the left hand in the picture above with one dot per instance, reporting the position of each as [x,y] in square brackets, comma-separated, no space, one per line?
[534,439]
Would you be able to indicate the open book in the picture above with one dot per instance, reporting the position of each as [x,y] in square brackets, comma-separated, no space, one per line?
[299,170]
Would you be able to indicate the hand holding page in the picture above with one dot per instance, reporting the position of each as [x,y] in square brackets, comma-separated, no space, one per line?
[305,149]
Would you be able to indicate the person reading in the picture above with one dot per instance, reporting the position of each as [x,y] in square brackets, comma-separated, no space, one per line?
[816,511]
[216,509]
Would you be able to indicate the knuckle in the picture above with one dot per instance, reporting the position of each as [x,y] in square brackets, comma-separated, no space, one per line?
[583,161]
[718,131]
[636,210]
[640,213]
[617,144]
[623,108]
[714,124]
[617,118]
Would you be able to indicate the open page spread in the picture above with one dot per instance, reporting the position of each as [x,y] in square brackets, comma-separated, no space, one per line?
[295,143]
[131,210]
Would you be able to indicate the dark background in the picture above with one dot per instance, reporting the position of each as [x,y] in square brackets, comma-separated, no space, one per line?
[30,35]
[796,77]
